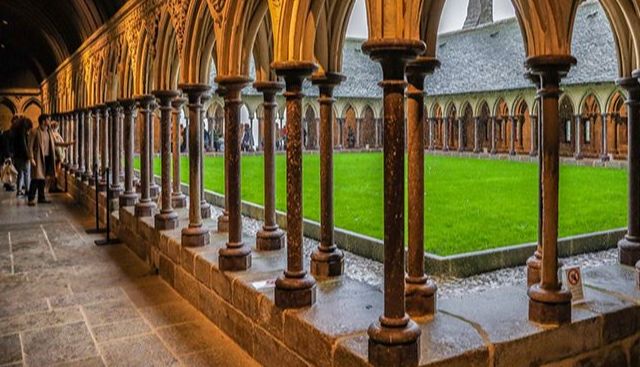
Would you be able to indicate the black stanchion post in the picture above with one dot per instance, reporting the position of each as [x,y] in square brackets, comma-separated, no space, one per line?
[97,199]
[108,240]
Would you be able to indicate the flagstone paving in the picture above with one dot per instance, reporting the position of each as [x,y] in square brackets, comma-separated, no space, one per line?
[66,302]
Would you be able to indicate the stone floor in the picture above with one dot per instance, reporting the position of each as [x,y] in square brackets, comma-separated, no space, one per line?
[66,302]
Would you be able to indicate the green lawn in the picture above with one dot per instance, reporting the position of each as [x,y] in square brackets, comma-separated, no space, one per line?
[471,204]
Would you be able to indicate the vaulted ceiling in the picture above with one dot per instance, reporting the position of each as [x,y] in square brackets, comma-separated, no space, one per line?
[37,35]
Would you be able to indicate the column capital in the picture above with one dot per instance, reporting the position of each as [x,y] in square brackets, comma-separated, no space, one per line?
[112,105]
[550,69]
[178,102]
[145,101]
[165,97]
[631,85]
[231,83]
[269,89]
[195,91]
[294,73]
[127,103]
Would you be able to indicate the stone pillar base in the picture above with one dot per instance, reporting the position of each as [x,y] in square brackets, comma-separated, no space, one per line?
[154,192]
[476,151]
[166,221]
[628,251]
[223,223]
[205,210]
[578,156]
[115,191]
[420,297]
[493,151]
[91,181]
[195,237]
[404,350]
[533,153]
[549,307]
[605,158]
[327,264]
[295,292]
[268,239]
[512,152]
[102,186]
[145,209]
[534,264]
[128,199]
[234,257]
[179,201]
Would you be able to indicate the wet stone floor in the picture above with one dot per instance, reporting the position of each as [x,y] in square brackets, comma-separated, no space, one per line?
[66,302]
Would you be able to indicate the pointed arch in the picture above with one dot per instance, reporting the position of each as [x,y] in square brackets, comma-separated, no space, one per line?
[166,64]
[199,42]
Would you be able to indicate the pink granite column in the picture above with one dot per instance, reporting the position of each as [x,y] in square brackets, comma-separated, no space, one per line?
[178,199]
[129,197]
[146,207]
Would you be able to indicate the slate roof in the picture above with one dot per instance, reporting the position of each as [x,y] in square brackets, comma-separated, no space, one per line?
[488,58]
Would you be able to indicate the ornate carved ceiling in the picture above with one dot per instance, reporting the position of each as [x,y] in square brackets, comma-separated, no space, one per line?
[37,35]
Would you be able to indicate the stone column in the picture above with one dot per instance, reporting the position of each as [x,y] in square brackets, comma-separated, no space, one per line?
[205,207]
[431,127]
[104,156]
[520,134]
[534,135]
[178,199]
[236,255]
[420,291]
[616,122]
[95,145]
[154,188]
[549,303]
[512,143]
[167,218]
[393,339]
[115,188]
[327,260]
[377,127]
[78,145]
[129,197]
[270,237]
[294,288]
[604,154]
[493,135]
[629,246]
[476,135]
[81,143]
[578,136]
[223,219]
[445,134]
[196,234]
[87,145]
[460,135]
[146,207]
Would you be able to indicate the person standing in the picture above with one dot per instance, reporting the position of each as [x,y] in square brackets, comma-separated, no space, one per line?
[42,157]
[20,128]
[60,154]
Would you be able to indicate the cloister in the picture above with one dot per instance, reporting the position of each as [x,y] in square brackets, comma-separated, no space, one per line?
[153,60]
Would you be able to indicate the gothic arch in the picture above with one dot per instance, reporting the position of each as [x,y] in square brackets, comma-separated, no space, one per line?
[199,41]
[368,127]
[166,66]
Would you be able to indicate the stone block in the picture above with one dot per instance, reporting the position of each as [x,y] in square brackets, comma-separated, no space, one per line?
[210,303]
[270,352]
[221,283]
[237,326]
[167,269]
[187,286]
[174,251]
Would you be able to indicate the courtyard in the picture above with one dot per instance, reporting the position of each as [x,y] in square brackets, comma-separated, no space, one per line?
[470,204]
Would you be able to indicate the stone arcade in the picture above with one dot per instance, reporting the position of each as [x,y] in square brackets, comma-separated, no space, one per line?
[157,54]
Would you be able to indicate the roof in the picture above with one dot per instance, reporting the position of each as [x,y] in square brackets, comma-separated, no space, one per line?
[487,58]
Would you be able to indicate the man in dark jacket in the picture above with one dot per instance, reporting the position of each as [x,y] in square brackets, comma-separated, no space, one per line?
[20,127]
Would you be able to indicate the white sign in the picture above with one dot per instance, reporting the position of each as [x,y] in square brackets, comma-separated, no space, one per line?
[264,284]
[573,280]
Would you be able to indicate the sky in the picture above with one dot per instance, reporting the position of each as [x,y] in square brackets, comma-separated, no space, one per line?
[455,12]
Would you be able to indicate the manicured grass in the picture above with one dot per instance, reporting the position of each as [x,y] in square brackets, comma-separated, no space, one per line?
[471,204]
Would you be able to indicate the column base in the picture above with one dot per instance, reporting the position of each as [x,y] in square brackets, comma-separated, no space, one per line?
[128,199]
[166,221]
[578,156]
[493,151]
[269,239]
[628,251]
[223,222]
[327,264]
[512,153]
[476,151]
[533,153]
[86,176]
[205,210]
[195,236]
[145,209]
[295,292]
[102,186]
[234,257]
[605,158]
[549,307]
[91,181]
[394,346]
[154,192]
[179,201]
[115,191]
[420,296]
[534,264]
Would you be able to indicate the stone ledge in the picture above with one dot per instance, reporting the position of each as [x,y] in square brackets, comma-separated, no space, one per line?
[481,329]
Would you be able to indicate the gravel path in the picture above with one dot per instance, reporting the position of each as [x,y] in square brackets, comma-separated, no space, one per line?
[370,272]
